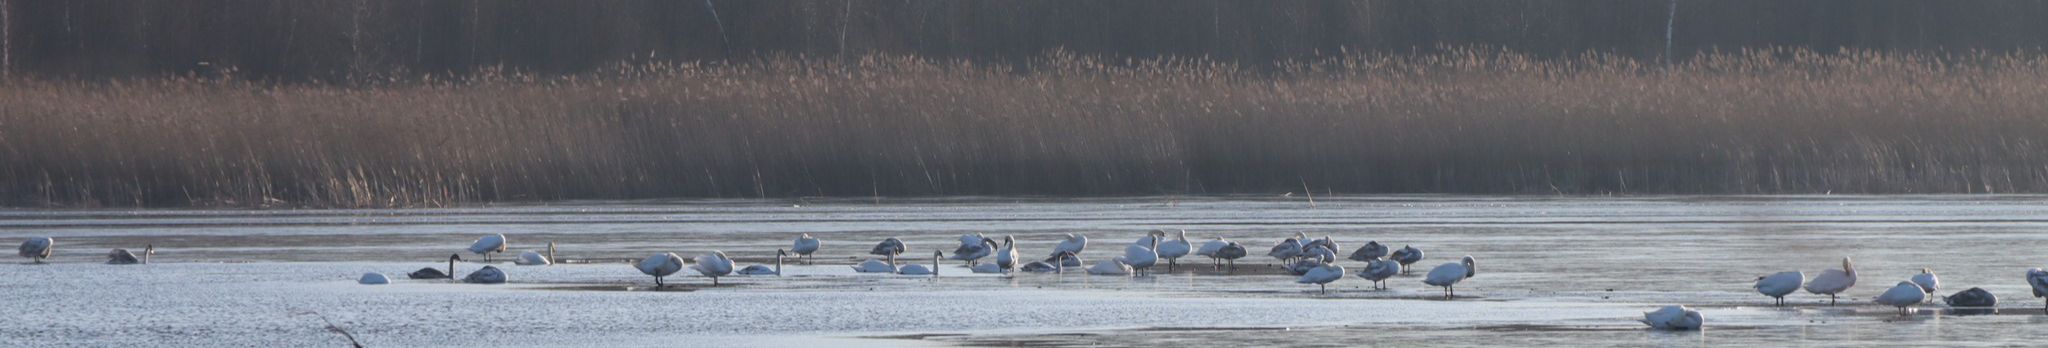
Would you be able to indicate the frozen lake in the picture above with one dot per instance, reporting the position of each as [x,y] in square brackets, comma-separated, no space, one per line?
[1572,271]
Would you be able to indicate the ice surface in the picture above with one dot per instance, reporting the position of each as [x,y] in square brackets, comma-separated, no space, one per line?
[1558,271]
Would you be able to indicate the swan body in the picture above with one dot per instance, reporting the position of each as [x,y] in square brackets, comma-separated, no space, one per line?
[1151,237]
[1974,297]
[1209,249]
[1780,284]
[1173,250]
[889,247]
[1321,276]
[1006,257]
[874,266]
[1325,243]
[987,268]
[1407,255]
[1903,296]
[1371,250]
[804,246]
[1139,257]
[1110,268]
[373,278]
[1674,318]
[1286,250]
[38,249]
[532,258]
[1926,280]
[1318,253]
[1834,281]
[973,247]
[486,275]
[1039,267]
[1231,252]
[122,257]
[1072,244]
[1378,270]
[1448,275]
[915,269]
[660,265]
[764,269]
[2038,279]
[488,244]
[713,265]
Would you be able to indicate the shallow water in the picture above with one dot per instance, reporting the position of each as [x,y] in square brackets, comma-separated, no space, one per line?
[1554,271]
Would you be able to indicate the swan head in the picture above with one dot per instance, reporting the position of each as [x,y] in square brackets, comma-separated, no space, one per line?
[1848,267]
[780,253]
[454,257]
[1471,267]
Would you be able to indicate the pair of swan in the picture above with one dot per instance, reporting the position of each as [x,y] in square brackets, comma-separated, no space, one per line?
[1830,282]
[661,265]
[1219,250]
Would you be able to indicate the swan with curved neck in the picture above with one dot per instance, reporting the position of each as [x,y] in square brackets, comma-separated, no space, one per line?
[1448,275]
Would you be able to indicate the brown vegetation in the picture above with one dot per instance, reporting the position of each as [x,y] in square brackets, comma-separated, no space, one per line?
[1467,121]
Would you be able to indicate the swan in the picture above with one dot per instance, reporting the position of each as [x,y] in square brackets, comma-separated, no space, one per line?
[1111,267]
[1674,318]
[1927,282]
[1231,252]
[1904,296]
[1303,266]
[1287,249]
[987,268]
[1318,253]
[1140,257]
[660,265]
[1447,275]
[916,269]
[1073,244]
[431,273]
[37,249]
[713,265]
[1832,282]
[1371,250]
[1006,257]
[1065,259]
[874,266]
[1780,284]
[1151,237]
[1322,276]
[532,258]
[123,257]
[889,247]
[2038,279]
[973,247]
[488,244]
[805,245]
[1974,297]
[1173,250]
[1407,255]
[763,269]
[373,278]
[1325,243]
[1209,249]
[1054,264]
[486,275]
[1378,270]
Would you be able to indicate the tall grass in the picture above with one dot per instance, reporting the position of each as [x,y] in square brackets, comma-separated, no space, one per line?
[1463,121]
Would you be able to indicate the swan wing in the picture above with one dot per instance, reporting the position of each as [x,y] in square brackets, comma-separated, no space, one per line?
[1445,274]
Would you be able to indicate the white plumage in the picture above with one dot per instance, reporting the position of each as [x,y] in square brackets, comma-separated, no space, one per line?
[532,258]
[1834,281]
[1073,244]
[1173,250]
[37,249]
[1674,318]
[1778,285]
[1903,296]
[1378,270]
[1321,276]
[1448,275]
[874,266]
[804,246]
[488,244]
[660,265]
[713,265]
[1110,268]
[1927,282]
[1139,257]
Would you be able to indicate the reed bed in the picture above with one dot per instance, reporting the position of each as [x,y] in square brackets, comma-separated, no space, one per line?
[1462,121]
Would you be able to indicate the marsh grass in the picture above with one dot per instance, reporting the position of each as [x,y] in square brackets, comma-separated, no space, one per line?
[1462,121]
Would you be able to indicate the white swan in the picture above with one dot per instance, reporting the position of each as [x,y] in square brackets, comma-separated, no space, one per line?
[1006,257]
[1209,249]
[660,265]
[763,269]
[874,266]
[987,268]
[1286,249]
[805,245]
[1111,267]
[1140,257]
[713,265]
[1378,270]
[1322,276]
[1834,281]
[1903,296]
[2038,279]
[488,244]
[1173,250]
[373,278]
[973,247]
[1073,244]
[532,258]
[1371,250]
[1674,318]
[1448,275]
[1778,285]
[486,275]
[916,269]
[1927,281]
[1406,255]
[37,249]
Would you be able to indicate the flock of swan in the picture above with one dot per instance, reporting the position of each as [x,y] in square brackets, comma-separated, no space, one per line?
[1313,261]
